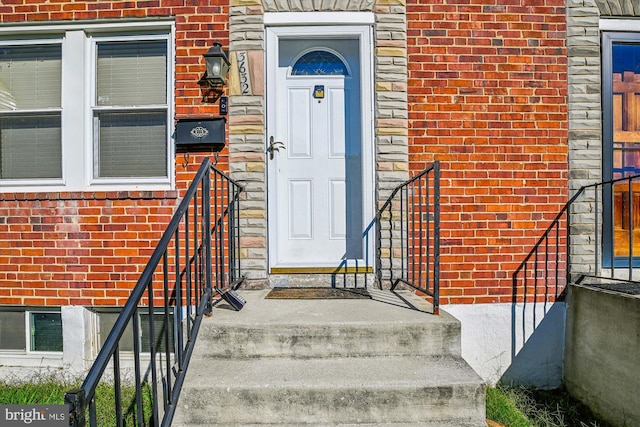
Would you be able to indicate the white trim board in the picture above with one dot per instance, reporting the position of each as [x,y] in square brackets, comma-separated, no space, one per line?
[318,18]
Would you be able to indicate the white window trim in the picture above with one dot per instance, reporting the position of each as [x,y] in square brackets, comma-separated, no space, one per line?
[613,24]
[77,141]
[318,18]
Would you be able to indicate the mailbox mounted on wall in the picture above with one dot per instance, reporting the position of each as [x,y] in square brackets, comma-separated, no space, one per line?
[200,134]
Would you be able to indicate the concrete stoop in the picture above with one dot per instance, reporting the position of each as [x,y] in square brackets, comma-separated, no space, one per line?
[383,361]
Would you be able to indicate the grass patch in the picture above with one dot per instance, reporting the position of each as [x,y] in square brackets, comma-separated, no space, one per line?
[522,407]
[503,406]
[51,391]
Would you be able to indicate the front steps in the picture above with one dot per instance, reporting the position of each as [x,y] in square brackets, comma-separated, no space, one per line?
[330,362]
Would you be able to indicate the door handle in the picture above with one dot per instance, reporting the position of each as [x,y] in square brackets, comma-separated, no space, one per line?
[274,146]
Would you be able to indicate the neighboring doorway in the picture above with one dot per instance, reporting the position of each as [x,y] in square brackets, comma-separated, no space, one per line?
[621,147]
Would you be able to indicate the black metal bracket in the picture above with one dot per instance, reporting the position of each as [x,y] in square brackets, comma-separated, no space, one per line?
[234,299]
[76,400]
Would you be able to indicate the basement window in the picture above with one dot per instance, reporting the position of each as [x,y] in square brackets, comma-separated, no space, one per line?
[28,331]
[162,326]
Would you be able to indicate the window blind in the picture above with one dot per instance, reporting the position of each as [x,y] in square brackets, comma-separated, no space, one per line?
[131,144]
[30,77]
[132,73]
[30,143]
[30,146]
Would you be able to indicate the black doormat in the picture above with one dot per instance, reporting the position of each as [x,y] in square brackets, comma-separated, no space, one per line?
[318,293]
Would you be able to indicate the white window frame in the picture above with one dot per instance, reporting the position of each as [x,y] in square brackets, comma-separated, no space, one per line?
[78,42]
[18,183]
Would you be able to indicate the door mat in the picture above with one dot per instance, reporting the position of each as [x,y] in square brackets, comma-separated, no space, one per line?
[317,293]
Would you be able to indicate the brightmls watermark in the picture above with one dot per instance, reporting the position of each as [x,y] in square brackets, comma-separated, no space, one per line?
[34,415]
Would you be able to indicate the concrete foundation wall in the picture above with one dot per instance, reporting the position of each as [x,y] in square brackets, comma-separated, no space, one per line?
[602,357]
[515,343]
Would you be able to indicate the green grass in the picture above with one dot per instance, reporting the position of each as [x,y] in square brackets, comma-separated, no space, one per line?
[521,407]
[503,406]
[50,390]
[509,406]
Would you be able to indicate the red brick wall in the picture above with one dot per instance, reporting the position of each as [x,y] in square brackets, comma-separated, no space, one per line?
[89,248]
[488,99]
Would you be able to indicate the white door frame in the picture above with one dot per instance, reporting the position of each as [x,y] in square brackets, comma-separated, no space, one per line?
[329,29]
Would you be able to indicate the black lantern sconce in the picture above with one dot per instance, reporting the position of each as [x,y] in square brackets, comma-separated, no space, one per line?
[215,76]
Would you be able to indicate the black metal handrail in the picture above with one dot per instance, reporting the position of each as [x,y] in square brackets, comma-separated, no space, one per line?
[192,254]
[614,205]
[408,235]
[589,216]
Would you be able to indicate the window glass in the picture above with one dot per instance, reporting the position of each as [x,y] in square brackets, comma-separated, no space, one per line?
[46,332]
[108,319]
[130,134]
[12,330]
[132,73]
[30,142]
[625,116]
[131,144]
[159,329]
[30,146]
[319,63]
[30,77]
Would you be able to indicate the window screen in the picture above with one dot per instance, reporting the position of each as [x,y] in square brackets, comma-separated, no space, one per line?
[46,332]
[30,142]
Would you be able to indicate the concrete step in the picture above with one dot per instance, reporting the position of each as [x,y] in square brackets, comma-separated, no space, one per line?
[336,391]
[386,325]
[379,361]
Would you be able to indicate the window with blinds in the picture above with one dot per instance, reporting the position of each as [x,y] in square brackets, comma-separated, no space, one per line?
[87,108]
[131,111]
[30,112]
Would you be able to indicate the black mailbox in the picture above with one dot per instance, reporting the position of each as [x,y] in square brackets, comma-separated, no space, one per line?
[200,134]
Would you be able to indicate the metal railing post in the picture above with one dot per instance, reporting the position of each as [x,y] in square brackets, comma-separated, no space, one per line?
[75,400]
[183,269]
[414,202]
[206,190]
[436,238]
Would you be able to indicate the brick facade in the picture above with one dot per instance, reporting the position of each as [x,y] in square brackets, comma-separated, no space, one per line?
[481,84]
[488,98]
[89,248]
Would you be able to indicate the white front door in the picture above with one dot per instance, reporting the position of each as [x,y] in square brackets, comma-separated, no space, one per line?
[310,208]
[315,157]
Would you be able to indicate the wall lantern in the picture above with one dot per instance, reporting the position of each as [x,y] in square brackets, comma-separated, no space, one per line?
[215,76]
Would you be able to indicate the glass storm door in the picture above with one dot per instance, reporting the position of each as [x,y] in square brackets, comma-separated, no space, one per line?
[621,155]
